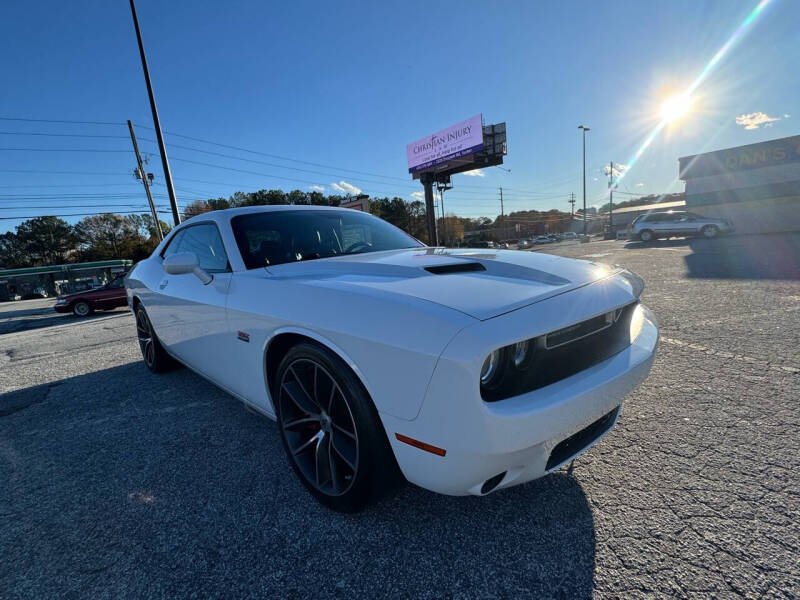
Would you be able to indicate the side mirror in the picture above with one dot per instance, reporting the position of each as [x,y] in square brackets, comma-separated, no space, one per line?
[184,263]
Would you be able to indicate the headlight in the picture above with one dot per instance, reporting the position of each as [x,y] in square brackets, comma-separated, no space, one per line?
[61,300]
[637,321]
[521,353]
[491,370]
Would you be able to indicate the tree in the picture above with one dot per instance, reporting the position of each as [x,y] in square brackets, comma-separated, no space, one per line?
[12,251]
[108,236]
[198,207]
[46,240]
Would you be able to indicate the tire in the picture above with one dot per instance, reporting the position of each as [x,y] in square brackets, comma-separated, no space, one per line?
[155,357]
[331,431]
[709,232]
[82,308]
[646,235]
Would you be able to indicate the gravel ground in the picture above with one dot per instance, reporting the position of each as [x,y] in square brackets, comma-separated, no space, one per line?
[118,483]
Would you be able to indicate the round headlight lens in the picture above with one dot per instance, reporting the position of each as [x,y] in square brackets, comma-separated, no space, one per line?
[490,368]
[521,350]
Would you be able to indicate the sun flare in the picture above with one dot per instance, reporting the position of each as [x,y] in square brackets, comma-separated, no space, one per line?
[676,107]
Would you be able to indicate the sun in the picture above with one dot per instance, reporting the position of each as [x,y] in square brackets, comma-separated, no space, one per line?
[676,107]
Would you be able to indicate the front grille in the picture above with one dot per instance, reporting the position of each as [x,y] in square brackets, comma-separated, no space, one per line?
[577,442]
[567,351]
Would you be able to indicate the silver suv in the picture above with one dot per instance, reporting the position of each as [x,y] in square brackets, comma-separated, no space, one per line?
[677,223]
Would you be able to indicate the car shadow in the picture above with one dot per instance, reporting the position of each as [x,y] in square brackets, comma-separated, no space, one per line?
[164,485]
[763,256]
[658,243]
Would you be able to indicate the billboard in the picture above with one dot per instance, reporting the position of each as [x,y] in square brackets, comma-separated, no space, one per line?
[458,140]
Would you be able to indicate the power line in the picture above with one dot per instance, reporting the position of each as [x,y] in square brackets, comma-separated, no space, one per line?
[87,214]
[77,135]
[38,171]
[97,150]
[61,121]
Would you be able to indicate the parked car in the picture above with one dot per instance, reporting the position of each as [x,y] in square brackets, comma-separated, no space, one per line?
[569,235]
[35,294]
[501,245]
[522,244]
[673,223]
[111,295]
[381,358]
[542,239]
[480,244]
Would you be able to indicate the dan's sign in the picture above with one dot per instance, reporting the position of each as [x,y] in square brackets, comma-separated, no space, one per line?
[461,139]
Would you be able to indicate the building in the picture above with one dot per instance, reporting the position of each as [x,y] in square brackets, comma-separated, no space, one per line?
[59,279]
[756,186]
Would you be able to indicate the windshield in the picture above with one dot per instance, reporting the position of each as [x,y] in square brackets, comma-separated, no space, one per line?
[275,237]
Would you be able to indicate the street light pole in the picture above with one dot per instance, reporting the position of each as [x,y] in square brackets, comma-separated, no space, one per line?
[176,217]
[585,129]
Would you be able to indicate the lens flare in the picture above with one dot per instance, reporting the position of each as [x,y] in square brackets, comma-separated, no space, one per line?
[687,94]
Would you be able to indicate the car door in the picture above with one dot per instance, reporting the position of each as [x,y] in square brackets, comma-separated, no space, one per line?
[190,316]
[112,295]
[686,224]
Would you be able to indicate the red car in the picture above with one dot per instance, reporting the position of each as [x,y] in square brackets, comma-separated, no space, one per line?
[111,295]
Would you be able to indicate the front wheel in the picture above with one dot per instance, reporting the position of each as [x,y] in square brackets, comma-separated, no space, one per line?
[81,309]
[710,231]
[646,235]
[155,357]
[331,431]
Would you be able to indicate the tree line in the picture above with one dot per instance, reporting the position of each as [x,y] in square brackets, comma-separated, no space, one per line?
[51,240]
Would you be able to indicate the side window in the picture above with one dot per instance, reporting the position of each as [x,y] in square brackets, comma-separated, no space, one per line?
[172,247]
[116,283]
[206,243]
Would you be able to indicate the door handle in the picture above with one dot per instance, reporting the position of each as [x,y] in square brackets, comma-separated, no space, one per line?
[163,284]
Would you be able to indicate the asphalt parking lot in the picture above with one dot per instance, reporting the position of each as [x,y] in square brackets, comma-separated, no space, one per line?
[118,483]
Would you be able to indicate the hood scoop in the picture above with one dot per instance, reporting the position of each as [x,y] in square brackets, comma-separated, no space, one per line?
[466,267]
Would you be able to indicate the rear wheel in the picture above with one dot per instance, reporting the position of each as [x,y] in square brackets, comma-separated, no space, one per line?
[155,357]
[646,235]
[331,431]
[81,308]
[710,231]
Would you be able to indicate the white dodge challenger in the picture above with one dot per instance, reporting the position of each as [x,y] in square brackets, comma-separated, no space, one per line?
[463,371]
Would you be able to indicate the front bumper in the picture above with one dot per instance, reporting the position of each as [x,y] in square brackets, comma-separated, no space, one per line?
[62,308]
[519,435]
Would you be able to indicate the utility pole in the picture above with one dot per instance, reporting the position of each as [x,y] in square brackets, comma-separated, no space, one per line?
[503,214]
[140,174]
[611,197]
[427,183]
[572,206]
[585,129]
[173,200]
[444,223]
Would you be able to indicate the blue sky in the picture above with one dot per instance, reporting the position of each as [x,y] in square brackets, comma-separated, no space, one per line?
[348,85]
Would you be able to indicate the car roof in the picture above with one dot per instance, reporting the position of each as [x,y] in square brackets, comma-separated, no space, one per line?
[228,213]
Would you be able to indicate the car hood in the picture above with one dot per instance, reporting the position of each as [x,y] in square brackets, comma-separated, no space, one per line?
[479,283]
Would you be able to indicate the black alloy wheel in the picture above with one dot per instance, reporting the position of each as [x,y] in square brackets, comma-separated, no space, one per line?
[331,431]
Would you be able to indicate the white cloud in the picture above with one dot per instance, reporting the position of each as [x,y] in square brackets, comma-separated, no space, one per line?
[595,179]
[317,188]
[755,120]
[346,188]
[787,116]
[639,185]
[474,173]
[418,195]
